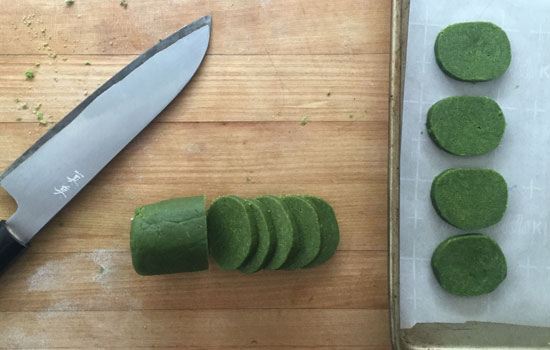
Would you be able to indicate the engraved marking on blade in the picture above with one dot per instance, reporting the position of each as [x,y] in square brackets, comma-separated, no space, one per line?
[76,176]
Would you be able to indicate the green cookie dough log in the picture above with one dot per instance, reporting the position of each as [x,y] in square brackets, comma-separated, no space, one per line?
[330,233]
[473,51]
[466,125]
[284,231]
[469,265]
[266,238]
[169,237]
[470,198]
[232,232]
[307,231]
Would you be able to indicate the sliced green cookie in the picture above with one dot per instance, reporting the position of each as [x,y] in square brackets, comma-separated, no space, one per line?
[170,236]
[473,51]
[307,231]
[470,198]
[469,265]
[266,238]
[330,233]
[284,232]
[466,125]
[232,232]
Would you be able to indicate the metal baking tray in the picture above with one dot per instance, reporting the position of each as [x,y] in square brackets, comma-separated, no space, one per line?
[469,335]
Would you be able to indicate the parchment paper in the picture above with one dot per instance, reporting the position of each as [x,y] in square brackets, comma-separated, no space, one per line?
[523,93]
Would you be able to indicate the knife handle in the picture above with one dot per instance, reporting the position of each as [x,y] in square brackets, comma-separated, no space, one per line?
[9,246]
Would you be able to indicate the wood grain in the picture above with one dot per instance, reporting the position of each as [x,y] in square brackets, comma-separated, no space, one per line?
[239,26]
[226,88]
[235,129]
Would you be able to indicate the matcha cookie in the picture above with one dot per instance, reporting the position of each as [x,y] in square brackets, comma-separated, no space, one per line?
[473,51]
[266,238]
[306,229]
[469,265]
[466,125]
[232,232]
[170,236]
[284,231]
[470,198]
[330,233]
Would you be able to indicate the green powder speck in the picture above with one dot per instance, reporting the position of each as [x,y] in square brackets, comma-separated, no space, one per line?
[87,63]
[123,3]
[37,64]
[304,121]
[38,106]
[351,116]
[69,2]
[39,115]
[43,122]
[101,269]
[328,93]
[24,106]
[29,74]
[18,119]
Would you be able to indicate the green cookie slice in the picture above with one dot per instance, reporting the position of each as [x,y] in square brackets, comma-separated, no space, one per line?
[266,238]
[307,230]
[470,198]
[284,232]
[330,233]
[469,265]
[466,125]
[473,51]
[232,232]
[169,237]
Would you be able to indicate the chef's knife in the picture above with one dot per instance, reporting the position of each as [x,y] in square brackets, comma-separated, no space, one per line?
[50,173]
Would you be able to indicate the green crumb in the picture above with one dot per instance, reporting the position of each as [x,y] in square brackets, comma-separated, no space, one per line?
[29,74]
[39,115]
[304,121]
[69,2]
[38,106]
[123,3]
[37,64]
[53,55]
[87,63]
[469,265]
[19,119]
[43,122]
[101,269]
[160,39]
[328,93]
[25,106]
[351,116]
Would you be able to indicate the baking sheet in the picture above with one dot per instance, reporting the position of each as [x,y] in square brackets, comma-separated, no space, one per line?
[523,93]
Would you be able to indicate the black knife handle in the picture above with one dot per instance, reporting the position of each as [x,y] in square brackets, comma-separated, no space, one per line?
[9,246]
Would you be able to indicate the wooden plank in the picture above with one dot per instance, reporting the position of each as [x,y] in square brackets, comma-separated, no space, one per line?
[240,26]
[249,159]
[186,329]
[226,88]
[66,282]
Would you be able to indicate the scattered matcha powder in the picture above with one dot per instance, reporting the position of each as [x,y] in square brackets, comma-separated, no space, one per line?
[43,122]
[18,119]
[37,64]
[38,106]
[304,121]
[160,39]
[16,100]
[29,73]
[25,105]
[69,2]
[87,63]
[39,115]
[351,116]
[123,3]
[328,93]
[53,55]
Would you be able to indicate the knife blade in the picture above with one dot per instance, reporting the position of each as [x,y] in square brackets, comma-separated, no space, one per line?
[52,171]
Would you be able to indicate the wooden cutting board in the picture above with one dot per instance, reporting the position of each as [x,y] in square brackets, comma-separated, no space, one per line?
[234,130]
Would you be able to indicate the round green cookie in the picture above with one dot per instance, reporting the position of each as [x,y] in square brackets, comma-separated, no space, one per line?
[473,51]
[266,238]
[307,230]
[284,232]
[470,198]
[466,125]
[330,233]
[469,265]
[169,237]
[232,232]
